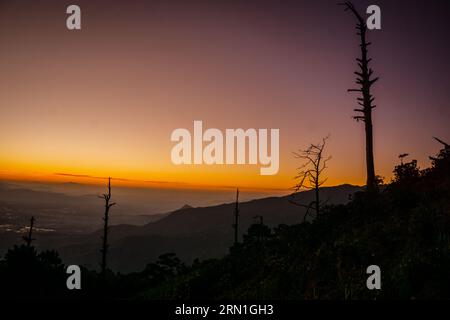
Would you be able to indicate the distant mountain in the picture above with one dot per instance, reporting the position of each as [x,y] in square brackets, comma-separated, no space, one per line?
[202,232]
[186,206]
[75,213]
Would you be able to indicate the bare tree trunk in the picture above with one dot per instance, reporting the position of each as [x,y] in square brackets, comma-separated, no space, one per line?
[371,180]
[105,239]
[365,81]
[104,250]
[367,107]
[29,238]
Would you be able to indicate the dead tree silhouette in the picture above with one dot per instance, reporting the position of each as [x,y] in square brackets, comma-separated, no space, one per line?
[366,81]
[107,198]
[29,238]
[309,175]
[445,144]
[445,150]
[236,217]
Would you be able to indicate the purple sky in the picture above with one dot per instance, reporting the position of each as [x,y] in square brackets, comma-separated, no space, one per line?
[139,69]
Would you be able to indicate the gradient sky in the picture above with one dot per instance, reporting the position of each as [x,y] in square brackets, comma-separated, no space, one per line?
[103,101]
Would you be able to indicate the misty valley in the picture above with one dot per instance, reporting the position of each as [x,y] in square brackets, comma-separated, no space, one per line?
[74,223]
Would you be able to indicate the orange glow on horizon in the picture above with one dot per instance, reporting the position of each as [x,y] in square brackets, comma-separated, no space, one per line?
[194,178]
[104,101]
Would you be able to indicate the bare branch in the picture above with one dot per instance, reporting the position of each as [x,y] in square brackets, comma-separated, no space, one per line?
[309,173]
[442,142]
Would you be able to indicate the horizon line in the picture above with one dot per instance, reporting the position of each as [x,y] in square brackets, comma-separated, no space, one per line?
[150,184]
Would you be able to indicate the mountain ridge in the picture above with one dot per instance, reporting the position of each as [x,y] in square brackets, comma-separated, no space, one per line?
[200,232]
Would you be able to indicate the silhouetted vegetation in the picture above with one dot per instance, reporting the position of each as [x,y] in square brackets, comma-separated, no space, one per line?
[25,273]
[404,229]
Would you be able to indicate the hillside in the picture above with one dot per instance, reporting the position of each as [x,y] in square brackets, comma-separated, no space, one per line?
[403,228]
[203,232]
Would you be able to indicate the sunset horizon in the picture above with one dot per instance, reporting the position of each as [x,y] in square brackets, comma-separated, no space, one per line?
[225,159]
[82,104]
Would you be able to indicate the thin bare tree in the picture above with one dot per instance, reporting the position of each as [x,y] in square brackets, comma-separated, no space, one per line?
[445,151]
[365,81]
[108,205]
[29,237]
[310,174]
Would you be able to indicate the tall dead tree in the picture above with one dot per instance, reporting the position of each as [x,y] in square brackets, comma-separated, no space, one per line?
[29,237]
[107,198]
[236,217]
[309,175]
[365,81]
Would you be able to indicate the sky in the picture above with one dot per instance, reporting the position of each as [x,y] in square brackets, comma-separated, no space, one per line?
[103,101]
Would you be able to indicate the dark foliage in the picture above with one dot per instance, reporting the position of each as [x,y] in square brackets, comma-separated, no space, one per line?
[405,229]
[26,274]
